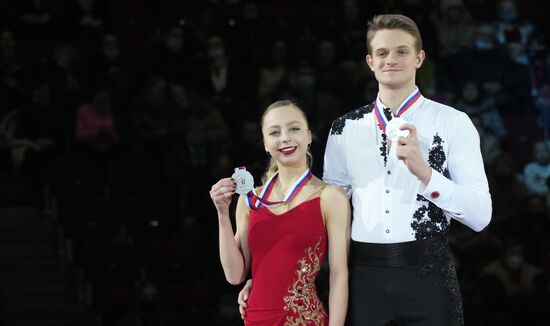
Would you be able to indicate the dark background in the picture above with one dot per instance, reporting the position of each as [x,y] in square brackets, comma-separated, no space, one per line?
[116,117]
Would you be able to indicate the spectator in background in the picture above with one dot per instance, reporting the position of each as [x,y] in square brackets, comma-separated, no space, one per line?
[539,56]
[303,85]
[174,55]
[474,101]
[542,104]
[14,74]
[66,76]
[114,68]
[484,63]
[517,81]
[455,27]
[274,75]
[95,126]
[151,118]
[42,129]
[510,22]
[223,80]
[36,17]
[489,143]
[533,229]
[537,172]
[516,274]
[328,73]
[88,18]
[350,30]
[507,189]
[249,38]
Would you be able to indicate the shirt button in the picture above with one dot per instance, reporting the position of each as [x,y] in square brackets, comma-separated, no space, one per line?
[389,172]
[387,191]
[387,211]
[387,231]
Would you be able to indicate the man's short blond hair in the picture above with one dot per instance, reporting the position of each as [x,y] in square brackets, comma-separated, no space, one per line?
[401,22]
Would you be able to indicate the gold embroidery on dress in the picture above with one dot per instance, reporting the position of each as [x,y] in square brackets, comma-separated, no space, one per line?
[303,300]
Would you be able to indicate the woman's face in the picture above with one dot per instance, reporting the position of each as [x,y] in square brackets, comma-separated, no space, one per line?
[286,136]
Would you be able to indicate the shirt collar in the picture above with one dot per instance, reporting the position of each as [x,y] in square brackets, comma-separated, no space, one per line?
[411,102]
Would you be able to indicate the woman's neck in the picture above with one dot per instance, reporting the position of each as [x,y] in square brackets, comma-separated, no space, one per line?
[288,176]
[392,98]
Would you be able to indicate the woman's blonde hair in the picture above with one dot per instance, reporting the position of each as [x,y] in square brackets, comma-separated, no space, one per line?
[272,167]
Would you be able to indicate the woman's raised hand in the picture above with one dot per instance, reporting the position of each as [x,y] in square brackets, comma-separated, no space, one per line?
[221,193]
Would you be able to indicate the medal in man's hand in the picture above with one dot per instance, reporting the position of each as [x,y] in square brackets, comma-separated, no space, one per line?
[393,131]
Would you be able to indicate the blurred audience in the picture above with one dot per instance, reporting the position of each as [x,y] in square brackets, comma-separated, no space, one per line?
[73,82]
[536,173]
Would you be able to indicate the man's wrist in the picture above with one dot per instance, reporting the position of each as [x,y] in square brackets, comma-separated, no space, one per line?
[426,176]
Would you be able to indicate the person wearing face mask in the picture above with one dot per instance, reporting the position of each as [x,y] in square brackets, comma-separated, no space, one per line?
[537,172]
[514,272]
[174,54]
[510,21]
[482,61]
[454,25]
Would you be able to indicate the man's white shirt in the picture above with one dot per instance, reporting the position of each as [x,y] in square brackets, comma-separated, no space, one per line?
[390,204]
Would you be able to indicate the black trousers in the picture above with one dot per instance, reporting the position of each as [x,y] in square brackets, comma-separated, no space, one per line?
[412,283]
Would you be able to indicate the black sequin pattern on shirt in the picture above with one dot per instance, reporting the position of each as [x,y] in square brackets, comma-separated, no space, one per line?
[357,114]
[436,223]
[438,258]
[384,143]
[384,148]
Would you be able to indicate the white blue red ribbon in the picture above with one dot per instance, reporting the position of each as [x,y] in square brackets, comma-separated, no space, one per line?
[254,201]
[407,104]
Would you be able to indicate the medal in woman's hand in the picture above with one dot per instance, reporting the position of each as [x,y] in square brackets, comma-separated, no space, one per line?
[244,181]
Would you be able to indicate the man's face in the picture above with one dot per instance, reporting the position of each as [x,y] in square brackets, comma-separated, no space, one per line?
[394,59]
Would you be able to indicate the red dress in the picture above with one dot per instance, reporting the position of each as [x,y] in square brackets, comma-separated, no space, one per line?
[287,253]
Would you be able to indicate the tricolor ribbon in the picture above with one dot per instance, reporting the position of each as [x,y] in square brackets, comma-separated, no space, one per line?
[407,103]
[254,201]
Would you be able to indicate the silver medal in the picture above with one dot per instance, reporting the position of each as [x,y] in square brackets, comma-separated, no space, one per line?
[244,181]
[393,131]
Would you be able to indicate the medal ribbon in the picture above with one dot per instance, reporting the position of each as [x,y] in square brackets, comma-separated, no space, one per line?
[409,101]
[254,201]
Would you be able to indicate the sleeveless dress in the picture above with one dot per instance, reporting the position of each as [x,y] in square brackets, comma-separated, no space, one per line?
[287,252]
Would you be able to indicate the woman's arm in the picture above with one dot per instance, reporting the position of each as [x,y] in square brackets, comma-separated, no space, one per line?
[234,252]
[336,210]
